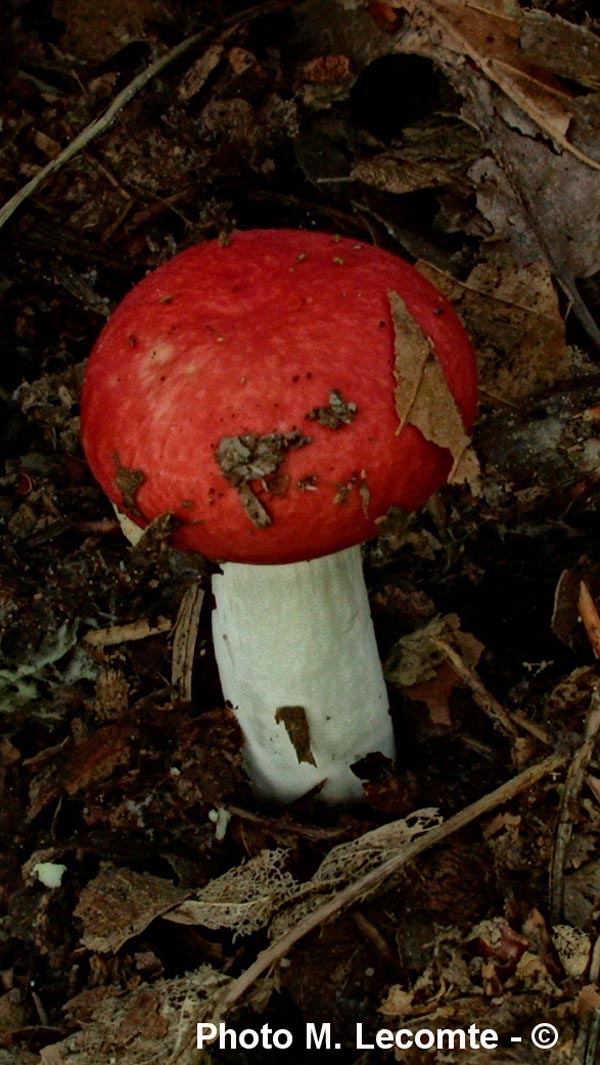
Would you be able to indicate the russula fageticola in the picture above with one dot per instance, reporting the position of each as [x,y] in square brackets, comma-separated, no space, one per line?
[253,389]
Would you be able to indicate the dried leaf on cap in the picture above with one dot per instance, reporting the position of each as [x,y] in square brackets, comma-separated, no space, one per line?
[423,398]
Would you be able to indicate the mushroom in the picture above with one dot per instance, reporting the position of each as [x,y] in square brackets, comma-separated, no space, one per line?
[248,388]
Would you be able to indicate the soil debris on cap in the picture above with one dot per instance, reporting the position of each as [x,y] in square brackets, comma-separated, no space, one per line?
[129,482]
[252,457]
[296,725]
[423,398]
[336,414]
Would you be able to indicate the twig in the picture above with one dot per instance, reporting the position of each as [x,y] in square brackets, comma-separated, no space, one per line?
[374,937]
[564,827]
[284,827]
[135,630]
[594,972]
[484,699]
[376,877]
[99,125]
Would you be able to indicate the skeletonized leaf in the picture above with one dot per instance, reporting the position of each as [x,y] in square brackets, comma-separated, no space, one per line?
[242,899]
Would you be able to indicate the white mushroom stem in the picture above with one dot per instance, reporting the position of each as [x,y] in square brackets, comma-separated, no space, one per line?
[295,644]
[298,662]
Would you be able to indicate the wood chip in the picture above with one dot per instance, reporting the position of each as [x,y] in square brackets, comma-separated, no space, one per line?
[135,630]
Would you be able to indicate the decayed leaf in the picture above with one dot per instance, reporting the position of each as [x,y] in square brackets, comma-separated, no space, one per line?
[423,398]
[491,40]
[390,173]
[261,892]
[543,202]
[251,457]
[555,44]
[415,658]
[243,899]
[197,75]
[511,312]
[95,32]
[573,948]
[120,904]
[450,994]
[153,1023]
[418,666]
[433,154]
[582,894]
[13,1015]
[74,764]
[550,199]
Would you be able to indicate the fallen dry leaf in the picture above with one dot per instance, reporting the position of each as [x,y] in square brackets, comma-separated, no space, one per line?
[140,1026]
[198,73]
[119,904]
[76,764]
[541,195]
[553,43]
[490,36]
[511,311]
[423,398]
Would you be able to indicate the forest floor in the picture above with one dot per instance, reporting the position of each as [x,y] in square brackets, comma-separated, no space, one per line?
[143,888]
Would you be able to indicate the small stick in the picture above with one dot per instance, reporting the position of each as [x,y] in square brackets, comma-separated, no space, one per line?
[374,937]
[135,630]
[564,827]
[99,125]
[490,706]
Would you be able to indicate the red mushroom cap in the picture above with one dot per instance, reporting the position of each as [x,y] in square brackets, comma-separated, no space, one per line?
[248,388]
